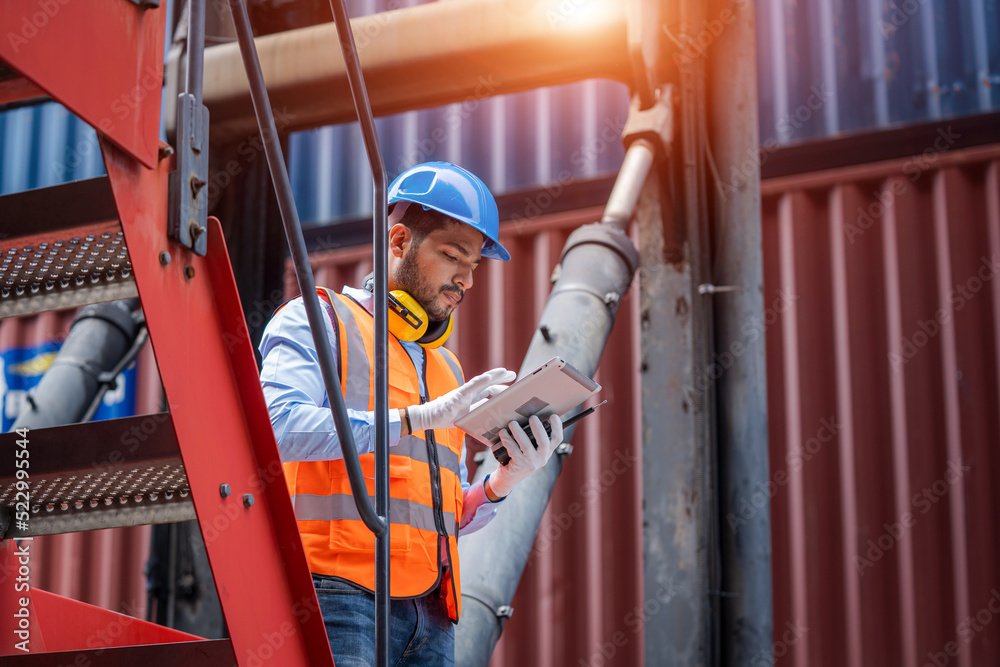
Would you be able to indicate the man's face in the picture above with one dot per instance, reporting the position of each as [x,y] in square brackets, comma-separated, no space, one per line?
[438,270]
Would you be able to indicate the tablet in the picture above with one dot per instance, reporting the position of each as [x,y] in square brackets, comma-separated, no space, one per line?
[553,389]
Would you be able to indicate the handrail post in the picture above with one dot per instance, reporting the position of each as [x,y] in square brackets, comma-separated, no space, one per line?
[303,271]
[380,250]
[377,518]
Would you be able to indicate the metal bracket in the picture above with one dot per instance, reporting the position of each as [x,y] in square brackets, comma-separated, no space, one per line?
[655,124]
[708,288]
[189,197]
[505,611]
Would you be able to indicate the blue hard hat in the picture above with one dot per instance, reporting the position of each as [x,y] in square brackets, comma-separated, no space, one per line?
[457,193]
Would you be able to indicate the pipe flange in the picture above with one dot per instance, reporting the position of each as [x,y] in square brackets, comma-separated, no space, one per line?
[607,236]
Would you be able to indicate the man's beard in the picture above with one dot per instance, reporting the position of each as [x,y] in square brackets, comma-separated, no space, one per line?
[410,280]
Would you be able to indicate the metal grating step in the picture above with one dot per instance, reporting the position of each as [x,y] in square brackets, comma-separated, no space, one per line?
[62,247]
[105,474]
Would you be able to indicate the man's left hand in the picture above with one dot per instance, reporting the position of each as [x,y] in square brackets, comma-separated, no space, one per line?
[524,458]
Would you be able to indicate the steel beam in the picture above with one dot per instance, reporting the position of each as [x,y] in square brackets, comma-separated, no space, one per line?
[195,321]
[741,390]
[420,57]
[673,545]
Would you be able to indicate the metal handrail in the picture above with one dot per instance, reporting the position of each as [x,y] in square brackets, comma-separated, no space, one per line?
[195,74]
[377,518]
[303,271]
[380,251]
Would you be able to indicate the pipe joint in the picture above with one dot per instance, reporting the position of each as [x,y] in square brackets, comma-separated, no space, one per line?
[605,235]
[654,126]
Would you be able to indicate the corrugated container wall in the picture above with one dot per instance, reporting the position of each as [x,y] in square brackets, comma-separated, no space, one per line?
[827,67]
[883,359]
[583,583]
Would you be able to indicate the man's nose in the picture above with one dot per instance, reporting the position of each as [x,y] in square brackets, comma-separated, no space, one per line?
[464,278]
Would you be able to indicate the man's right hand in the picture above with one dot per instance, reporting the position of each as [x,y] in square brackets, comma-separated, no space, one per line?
[444,410]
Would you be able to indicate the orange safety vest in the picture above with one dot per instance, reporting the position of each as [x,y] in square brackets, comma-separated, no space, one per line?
[425,491]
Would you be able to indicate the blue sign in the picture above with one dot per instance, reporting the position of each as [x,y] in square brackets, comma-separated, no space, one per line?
[21,368]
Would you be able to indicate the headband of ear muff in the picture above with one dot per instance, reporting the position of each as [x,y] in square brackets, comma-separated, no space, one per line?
[408,321]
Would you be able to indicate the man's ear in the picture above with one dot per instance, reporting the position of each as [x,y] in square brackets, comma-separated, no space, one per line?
[399,239]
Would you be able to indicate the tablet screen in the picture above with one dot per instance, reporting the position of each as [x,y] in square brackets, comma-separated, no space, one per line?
[553,388]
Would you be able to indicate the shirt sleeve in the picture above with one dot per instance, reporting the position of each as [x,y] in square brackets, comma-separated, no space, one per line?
[296,398]
[477,509]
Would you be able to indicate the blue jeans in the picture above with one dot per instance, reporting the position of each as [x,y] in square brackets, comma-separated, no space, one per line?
[421,633]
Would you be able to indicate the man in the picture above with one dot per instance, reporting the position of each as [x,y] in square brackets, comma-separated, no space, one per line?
[443,222]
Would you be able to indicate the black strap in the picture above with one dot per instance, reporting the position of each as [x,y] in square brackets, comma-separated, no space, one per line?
[328,296]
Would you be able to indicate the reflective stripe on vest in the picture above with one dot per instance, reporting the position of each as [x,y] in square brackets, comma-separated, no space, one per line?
[355,376]
[309,507]
[453,364]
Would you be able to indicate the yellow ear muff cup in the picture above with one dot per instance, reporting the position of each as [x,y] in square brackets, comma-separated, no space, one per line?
[439,341]
[407,318]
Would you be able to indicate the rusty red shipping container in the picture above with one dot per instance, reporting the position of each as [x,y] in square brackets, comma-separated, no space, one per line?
[882,361]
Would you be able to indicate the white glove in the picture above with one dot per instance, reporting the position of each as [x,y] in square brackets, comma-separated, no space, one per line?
[525,459]
[444,410]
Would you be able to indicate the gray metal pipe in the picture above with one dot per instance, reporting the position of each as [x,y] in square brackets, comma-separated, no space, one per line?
[100,337]
[597,267]
[493,48]
[747,626]
[631,177]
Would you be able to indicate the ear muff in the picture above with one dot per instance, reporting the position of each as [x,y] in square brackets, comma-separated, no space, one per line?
[407,318]
[408,321]
[437,334]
